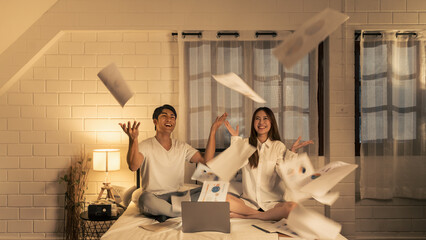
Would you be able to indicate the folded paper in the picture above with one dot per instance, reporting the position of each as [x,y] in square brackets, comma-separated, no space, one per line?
[233,81]
[113,80]
[226,164]
[308,36]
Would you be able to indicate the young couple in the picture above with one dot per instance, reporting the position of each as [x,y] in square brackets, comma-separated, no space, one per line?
[162,159]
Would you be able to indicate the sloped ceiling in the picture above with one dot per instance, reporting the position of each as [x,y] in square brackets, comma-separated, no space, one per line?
[16,16]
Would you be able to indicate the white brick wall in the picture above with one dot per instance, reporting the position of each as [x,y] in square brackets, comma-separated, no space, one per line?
[49,115]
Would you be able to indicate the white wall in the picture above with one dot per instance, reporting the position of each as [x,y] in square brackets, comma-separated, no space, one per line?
[60,107]
[16,16]
[33,130]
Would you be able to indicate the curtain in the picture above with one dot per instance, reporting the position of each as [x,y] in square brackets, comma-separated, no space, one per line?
[290,93]
[393,116]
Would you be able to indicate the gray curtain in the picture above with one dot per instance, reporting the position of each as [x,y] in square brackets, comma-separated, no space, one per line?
[393,116]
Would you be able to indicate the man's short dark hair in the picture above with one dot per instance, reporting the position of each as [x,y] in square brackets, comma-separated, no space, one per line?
[159,110]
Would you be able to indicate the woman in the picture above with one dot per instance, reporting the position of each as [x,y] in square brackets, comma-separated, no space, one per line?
[263,190]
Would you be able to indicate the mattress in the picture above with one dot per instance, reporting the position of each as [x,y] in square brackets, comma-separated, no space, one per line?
[127,227]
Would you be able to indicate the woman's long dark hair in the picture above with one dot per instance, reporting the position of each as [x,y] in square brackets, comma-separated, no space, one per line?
[273,134]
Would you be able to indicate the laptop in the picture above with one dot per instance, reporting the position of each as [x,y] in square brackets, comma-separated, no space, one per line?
[205,216]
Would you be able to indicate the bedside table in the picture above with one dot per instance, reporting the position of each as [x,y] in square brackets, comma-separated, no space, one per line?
[94,229]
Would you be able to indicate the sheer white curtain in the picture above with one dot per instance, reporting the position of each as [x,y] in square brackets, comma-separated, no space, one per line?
[393,116]
[290,93]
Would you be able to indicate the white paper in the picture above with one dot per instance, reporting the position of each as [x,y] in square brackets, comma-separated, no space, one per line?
[177,201]
[327,199]
[327,177]
[280,227]
[203,173]
[310,224]
[233,81]
[226,164]
[308,36]
[302,182]
[214,191]
[113,80]
[296,172]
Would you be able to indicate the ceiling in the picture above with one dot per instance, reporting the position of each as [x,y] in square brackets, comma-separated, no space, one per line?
[16,16]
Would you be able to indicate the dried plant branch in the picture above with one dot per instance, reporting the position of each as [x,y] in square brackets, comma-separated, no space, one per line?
[76,184]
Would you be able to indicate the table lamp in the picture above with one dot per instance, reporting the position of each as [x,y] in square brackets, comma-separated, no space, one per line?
[106,160]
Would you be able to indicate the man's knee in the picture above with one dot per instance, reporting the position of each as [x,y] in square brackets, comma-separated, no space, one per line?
[144,202]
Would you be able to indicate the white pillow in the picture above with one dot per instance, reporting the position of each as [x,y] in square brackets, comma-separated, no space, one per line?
[118,191]
[135,195]
[127,196]
[123,195]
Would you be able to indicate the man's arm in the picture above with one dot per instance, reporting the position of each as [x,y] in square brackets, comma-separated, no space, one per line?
[211,142]
[134,157]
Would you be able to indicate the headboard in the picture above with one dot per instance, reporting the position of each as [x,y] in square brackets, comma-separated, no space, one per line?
[138,178]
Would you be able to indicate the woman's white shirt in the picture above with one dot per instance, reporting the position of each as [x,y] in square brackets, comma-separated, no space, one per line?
[262,186]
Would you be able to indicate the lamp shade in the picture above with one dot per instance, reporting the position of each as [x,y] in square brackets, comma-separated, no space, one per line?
[106,160]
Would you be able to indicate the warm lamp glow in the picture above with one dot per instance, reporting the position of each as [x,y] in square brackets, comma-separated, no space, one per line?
[106,160]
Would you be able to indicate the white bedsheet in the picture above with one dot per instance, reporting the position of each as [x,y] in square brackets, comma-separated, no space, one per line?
[127,227]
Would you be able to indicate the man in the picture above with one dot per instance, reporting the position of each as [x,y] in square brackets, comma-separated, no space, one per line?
[162,161]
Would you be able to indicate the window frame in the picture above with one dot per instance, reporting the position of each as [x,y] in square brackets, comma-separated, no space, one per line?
[418,106]
[321,76]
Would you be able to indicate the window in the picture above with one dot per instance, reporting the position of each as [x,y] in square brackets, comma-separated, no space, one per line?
[389,101]
[292,94]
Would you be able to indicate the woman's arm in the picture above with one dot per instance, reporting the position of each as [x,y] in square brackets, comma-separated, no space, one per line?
[211,142]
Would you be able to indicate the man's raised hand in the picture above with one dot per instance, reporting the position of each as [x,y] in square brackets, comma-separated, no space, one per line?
[131,131]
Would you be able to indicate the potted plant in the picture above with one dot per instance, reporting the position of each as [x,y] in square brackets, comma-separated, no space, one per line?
[76,185]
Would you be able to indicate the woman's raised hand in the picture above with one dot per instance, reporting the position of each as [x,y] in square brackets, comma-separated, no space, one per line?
[297,145]
[131,131]
[219,121]
[233,132]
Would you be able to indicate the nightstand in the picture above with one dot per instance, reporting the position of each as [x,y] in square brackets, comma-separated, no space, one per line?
[94,229]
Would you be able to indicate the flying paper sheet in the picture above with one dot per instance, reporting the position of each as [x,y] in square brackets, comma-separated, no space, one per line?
[296,172]
[111,77]
[327,199]
[308,36]
[310,224]
[203,173]
[303,182]
[214,191]
[226,164]
[233,81]
[327,177]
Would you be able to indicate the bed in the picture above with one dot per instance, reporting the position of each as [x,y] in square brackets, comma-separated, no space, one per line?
[127,227]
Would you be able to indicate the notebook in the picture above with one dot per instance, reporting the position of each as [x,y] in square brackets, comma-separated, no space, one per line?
[205,216]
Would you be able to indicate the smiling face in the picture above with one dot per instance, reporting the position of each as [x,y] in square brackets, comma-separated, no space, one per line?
[166,121]
[262,123]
